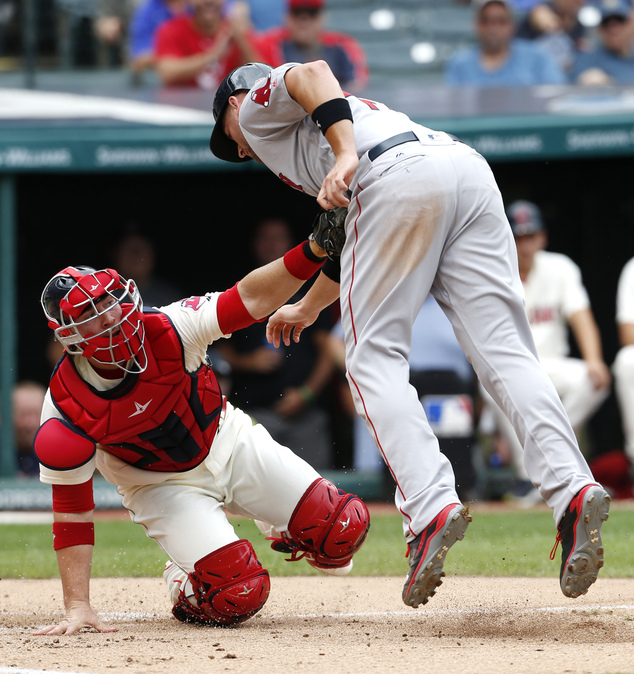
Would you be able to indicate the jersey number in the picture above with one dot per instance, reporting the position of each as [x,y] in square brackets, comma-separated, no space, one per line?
[371,104]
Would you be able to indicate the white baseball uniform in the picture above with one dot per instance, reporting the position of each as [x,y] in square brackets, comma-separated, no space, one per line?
[425,215]
[246,472]
[554,291]
[623,366]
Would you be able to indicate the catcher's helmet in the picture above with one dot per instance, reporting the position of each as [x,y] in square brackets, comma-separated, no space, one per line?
[525,218]
[239,79]
[70,301]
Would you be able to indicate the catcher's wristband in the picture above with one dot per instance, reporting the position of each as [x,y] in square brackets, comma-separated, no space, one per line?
[301,262]
[68,534]
[332,269]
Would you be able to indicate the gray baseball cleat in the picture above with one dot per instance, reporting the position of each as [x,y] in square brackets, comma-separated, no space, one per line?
[428,550]
[580,534]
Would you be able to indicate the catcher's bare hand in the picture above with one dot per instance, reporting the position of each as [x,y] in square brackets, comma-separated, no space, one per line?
[74,621]
[286,321]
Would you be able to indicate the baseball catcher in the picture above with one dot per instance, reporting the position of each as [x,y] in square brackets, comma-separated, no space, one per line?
[135,397]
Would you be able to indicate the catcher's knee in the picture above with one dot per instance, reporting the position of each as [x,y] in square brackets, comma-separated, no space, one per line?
[328,526]
[230,585]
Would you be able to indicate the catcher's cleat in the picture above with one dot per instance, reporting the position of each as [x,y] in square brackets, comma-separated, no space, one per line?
[580,534]
[428,550]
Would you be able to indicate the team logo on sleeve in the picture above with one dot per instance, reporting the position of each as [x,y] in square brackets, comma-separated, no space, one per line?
[261,91]
[194,303]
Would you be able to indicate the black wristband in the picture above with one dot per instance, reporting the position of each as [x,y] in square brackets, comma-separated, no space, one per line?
[309,253]
[330,112]
[332,269]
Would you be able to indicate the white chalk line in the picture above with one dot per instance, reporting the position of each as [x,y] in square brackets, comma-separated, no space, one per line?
[137,616]
[474,611]
[20,670]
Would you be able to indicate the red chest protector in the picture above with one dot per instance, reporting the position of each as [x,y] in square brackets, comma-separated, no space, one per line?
[163,419]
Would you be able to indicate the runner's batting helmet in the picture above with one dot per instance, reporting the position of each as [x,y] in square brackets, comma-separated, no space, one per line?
[75,296]
[240,79]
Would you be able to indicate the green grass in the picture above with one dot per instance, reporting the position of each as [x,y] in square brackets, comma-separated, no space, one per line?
[510,543]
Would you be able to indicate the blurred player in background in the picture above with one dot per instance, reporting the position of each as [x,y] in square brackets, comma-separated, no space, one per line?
[281,388]
[556,300]
[27,398]
[624,362]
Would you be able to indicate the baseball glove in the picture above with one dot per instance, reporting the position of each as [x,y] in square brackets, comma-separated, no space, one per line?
[329,230]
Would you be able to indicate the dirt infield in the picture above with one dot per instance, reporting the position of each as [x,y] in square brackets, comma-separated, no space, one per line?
[346,625]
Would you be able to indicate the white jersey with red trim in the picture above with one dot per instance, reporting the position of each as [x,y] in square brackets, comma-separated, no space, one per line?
[196,321]
[288,141]
[554,291]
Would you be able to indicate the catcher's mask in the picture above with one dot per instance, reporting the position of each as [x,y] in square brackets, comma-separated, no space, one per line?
[77,295]
[240,79]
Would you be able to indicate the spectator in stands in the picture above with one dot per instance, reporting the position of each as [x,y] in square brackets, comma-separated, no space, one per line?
[266,14]
[613,60]
[555,301]
[146,20]
[201,49]
[523,5]
[281,388]
[304,39]
[556,26]
[27,398]
[111,28]
[135,258]
[499,59]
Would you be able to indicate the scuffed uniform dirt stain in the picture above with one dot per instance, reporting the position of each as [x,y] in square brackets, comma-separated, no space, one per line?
[403,241]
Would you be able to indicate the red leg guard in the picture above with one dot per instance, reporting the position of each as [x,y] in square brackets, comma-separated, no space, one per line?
[328,525]
[229,584]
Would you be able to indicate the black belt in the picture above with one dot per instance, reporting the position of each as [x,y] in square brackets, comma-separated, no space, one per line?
[389,143]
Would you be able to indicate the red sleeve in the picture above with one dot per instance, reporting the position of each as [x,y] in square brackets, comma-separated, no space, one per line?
[168,41]
[231,312]
[73,498]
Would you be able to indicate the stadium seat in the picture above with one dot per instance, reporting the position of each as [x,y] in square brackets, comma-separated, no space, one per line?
[446,23]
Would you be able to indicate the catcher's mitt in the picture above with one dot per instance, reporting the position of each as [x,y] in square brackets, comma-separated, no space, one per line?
[329,230]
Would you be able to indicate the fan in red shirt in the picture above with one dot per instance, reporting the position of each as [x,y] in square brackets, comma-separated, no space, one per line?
[201,49]
[304,39]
